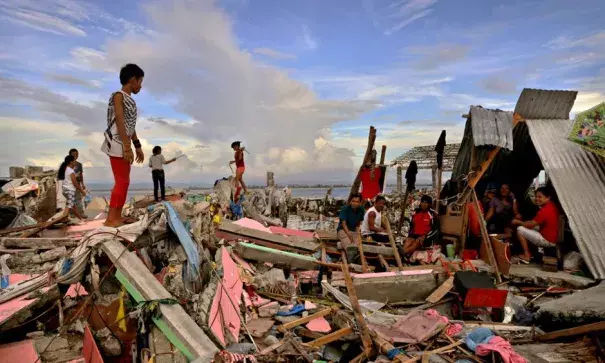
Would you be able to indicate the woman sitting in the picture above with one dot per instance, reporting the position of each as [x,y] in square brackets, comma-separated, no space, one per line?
[502,210]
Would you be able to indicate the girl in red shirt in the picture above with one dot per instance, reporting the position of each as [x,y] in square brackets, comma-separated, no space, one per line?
[543,230]
[240,167]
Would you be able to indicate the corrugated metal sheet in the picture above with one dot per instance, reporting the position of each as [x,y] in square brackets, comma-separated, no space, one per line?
[492,127]
[538,104]
[426,157]
[579,179]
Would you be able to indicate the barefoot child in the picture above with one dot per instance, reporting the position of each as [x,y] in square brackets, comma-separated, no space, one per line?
[119,138]
[156,163]
[70,185]
[240,167]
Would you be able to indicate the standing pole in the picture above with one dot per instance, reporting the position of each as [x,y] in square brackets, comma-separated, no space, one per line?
[364,332]
[487,243]
[393,245]
[399,179]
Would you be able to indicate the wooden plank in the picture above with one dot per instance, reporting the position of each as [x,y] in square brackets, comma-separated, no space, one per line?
[384,262]
[366,158]
[38,243]
[579,330]
[250,233]
[332,337]
[364,332]
[436,351]
[271,348]
[387,225]
[44,225]
[282,328]
[441,291]
[462,241]
[404,207]
[364,263]
[485,237]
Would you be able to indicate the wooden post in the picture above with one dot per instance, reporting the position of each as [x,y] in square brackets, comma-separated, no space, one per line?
[487,243]
[404,207]
[393,245]
[434,176]
[366,158]
[383,154]
[362,256]
[399,179]
[364,332]
[270,179]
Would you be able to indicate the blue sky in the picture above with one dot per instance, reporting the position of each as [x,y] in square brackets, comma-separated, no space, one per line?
[300,82]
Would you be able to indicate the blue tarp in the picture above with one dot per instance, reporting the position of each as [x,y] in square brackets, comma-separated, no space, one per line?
[192,271]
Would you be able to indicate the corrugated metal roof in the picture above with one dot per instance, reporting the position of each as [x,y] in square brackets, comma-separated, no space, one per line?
[579,179]
[492,127]
[426,157]
[539,104]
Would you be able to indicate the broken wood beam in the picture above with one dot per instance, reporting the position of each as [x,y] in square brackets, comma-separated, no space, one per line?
[384,262]
[385,347]
[282,328]
[366,159]
[364,332]
[403,208]
[38,243]
[387,224]
[364,263]
[579,330]
[487,243]
[441,291]
[44,225]
[332,337]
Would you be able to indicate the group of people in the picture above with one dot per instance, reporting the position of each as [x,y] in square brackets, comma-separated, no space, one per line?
[501,213]
[121,137]
[71,176]
[356,224]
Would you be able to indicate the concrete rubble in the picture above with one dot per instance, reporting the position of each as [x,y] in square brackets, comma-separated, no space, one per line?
[190,281]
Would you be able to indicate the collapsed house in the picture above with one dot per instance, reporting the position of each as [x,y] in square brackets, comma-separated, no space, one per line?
[196,279]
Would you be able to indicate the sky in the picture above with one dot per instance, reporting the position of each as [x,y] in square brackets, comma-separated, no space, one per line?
[298,82]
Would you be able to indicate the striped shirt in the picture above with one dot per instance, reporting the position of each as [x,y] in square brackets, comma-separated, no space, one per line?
[130,116]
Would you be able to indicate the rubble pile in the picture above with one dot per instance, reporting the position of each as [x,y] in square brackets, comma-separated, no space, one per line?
[189,281]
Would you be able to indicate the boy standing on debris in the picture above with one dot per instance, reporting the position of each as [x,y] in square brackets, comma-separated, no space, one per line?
[156,163]
[119,138]
[240,167]
[423,226]
[543,230]
[349,224]
[79,170]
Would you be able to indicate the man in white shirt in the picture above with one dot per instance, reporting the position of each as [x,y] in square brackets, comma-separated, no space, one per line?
[156,163]
[373,225]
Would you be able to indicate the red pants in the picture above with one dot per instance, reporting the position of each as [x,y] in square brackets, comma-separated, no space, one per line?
[121,176]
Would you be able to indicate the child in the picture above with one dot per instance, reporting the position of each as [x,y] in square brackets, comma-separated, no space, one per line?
[240,167]
[79,170]
[70,185]
[424,226]
[156,163]
[119,136]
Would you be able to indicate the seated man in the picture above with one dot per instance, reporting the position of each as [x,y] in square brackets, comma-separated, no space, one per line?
[424,226]
[373,224]
[349,223]
[543,230]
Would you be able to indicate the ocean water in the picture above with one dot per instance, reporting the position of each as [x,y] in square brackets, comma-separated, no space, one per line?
[338,192]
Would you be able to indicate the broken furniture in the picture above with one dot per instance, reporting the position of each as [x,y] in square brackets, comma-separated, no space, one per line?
[476,294]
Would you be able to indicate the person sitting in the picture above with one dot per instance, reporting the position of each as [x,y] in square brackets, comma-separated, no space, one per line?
[424,226]
[373,225]
[349,223]
[502,210]
[543,230]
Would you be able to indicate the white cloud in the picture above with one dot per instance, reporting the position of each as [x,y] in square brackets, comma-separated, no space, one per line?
[274,53]
[398,14]
[309,41]
[44,22]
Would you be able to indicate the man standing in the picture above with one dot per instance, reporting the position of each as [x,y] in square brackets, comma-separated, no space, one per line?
[373,225]
[79,170]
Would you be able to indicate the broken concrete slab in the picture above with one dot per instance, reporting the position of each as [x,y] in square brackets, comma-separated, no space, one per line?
[180,329]
[38,243]
[264,254]
[533,274]
[23,351]
[163,350]
[581,307]
[407,287]
[258,327]
[50,344]
[269,310]
[231,231]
